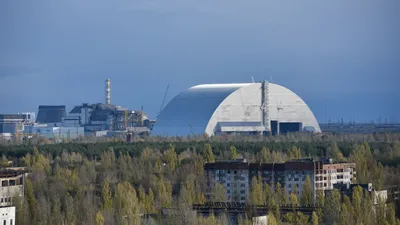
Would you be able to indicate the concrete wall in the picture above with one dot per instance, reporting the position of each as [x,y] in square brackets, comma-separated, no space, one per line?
[7,216]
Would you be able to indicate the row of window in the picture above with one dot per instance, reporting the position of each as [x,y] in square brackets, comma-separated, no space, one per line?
[2,200]
[5,222]
[12,182]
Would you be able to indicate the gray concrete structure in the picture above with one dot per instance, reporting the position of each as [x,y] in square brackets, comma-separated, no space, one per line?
[235,108]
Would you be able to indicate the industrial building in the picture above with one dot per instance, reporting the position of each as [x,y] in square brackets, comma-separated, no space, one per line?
[51,114]
[244,108]
[236,175]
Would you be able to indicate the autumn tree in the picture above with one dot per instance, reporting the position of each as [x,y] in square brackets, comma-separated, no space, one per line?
[171,158]
[233,151]
[107,198]
[256,195]
[331,209]
[307,193]
[218,193]
[208,154]
[334,152]
[265,155]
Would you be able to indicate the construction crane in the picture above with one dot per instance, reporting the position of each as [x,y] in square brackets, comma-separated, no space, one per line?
[163,101]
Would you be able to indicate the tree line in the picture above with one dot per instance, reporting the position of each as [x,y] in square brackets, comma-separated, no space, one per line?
[116,182]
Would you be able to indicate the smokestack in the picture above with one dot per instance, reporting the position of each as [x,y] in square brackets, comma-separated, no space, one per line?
[108,91]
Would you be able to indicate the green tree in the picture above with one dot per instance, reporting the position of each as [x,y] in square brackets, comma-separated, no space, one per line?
[126,204]
[390,215]
[272,219]
[314,218]
[99,218]
[234,153]
[218,193]
[331,208]
[301,219]
[307,193]
[256,191]
[334,152]
[171,158]
[320,201]
[357,199]
[265,155]
[107,198]
[31,200]
[281,194]
[208,154]
[4,161]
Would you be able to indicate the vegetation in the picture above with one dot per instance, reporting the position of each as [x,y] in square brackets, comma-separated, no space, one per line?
[116,182]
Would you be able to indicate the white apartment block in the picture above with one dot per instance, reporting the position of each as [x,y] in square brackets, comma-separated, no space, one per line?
[7,215]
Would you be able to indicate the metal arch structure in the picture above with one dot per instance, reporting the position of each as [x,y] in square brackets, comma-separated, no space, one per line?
[213,108]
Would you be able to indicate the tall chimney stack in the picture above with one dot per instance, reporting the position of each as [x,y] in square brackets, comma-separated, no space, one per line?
[108,91]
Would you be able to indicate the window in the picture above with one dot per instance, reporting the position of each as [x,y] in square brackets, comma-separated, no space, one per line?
[243,185]
[12,182]
[2,200]
[11,221]
[4,222]
[228,184]
[4,183]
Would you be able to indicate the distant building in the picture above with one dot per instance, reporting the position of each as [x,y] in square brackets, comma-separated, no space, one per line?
[241,108]
[12,123]
[236,175]
[7,215]
[51,114]
[107,117]
[51,132]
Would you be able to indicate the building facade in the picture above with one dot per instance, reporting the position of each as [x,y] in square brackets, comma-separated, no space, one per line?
[233,175]
[7,215]
[236,176]
[12,184]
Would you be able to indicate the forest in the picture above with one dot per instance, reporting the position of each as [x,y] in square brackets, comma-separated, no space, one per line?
[114,182]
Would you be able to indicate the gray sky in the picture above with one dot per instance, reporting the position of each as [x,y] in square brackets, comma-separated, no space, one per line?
[343,53]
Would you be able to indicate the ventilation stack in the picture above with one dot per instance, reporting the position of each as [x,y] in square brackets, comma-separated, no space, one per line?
[108,91]
[265,106]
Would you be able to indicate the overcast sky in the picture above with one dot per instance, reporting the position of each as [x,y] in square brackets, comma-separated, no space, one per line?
[343,56]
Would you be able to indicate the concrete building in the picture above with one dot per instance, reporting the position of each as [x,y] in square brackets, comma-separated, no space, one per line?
[233,175]
[248,108]
[51,132]
[12,183]
[7,215]
[51,114]
[12,123]
[236,175]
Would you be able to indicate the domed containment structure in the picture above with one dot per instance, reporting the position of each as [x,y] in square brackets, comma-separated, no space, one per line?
[246,108]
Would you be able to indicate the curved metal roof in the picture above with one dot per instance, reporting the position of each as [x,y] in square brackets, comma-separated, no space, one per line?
[202,108]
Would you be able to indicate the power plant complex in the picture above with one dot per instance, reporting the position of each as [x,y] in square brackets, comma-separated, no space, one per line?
[261,108]
[243,108]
